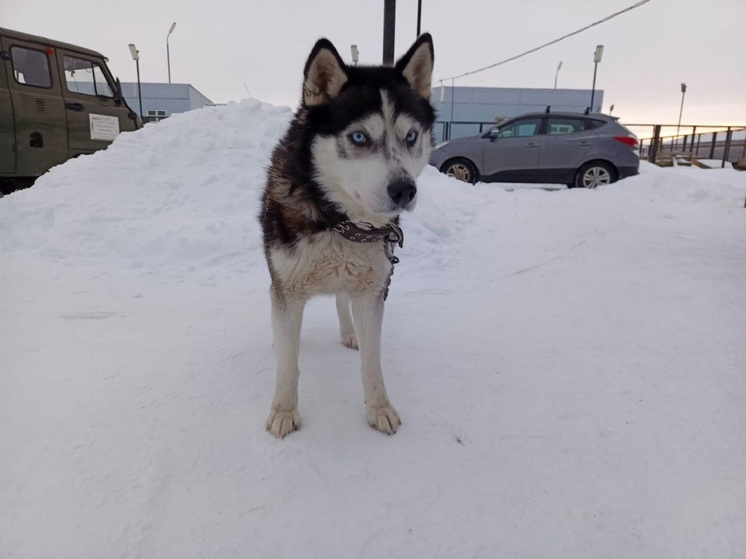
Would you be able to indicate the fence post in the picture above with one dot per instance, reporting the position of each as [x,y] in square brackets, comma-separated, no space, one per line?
[654,143]
[726,151]
[712,145]
[691,145]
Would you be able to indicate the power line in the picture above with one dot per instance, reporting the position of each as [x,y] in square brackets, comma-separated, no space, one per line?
[600,21]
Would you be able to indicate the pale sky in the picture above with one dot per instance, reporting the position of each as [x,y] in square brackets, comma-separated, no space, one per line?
[220,45]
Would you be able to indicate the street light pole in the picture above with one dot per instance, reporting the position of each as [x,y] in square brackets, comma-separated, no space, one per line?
[596,59]
[168,52]
[681,110]
[136,57]
[557,74]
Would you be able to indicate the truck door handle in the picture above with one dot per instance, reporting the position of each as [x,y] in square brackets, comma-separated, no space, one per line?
[75,106]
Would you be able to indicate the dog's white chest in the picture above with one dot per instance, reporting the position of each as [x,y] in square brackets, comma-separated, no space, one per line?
[328,263]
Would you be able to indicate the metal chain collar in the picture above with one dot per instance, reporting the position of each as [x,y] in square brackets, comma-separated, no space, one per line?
[391,235]
[369,234]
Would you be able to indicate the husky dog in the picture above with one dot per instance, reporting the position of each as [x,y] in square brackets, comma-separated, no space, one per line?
[338,180]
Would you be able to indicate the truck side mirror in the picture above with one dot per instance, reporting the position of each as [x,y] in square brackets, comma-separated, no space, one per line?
[118,92]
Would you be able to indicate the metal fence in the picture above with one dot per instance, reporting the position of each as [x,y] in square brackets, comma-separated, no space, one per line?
[719,143]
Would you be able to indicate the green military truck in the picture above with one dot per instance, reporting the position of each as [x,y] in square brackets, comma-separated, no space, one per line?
[57,101]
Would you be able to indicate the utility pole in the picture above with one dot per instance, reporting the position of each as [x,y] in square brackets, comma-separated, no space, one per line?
[389,26]
[419,16]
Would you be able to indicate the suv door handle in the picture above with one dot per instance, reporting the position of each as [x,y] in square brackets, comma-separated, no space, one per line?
[74,106]
[584,143]
[531,145]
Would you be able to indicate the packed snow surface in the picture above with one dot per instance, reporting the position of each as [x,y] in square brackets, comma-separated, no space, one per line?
[569,366]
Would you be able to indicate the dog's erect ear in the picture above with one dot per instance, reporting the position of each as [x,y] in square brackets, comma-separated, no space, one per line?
[324,74]
[417,65]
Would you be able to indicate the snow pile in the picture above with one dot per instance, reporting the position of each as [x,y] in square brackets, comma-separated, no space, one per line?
[568,365]
[172,198]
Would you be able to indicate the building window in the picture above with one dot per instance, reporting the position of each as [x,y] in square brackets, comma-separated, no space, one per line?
[155,116]
[31,67]
[86,77]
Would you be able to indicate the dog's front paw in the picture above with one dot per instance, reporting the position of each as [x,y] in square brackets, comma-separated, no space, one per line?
[282,422]
[349,339]
[384,418]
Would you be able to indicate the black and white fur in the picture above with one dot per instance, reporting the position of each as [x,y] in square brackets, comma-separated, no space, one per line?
[353,151]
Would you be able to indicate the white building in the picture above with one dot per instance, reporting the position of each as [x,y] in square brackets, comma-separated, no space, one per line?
[473,108]
[160,100]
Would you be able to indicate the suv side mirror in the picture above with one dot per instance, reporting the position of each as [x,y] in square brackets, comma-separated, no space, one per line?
[493,134]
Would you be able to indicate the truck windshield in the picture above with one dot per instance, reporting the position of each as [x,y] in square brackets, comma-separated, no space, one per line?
[86,77]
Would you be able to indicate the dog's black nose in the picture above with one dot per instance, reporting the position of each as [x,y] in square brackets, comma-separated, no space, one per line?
[402,192]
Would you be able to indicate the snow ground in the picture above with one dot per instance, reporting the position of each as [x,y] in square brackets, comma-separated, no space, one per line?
[569,367]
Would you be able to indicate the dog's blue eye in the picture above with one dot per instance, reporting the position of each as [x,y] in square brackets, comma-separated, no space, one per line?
[411,137]
[359,138]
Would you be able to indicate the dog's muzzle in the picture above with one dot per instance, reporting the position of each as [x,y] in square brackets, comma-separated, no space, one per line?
[402,192]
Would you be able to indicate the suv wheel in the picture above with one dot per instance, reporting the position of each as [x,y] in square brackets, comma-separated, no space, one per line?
[594,174]
[461,169]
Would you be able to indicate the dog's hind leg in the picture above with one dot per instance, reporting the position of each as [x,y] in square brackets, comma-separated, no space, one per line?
[346,328]
[367,311]
[287,317]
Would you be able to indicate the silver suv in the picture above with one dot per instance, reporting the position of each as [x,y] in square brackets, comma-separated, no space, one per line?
[579,150]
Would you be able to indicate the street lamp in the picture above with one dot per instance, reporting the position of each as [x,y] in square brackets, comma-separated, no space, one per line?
[168,53]
[355,54]
[596,59]
[681,110]
[557,74]
[136,57]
